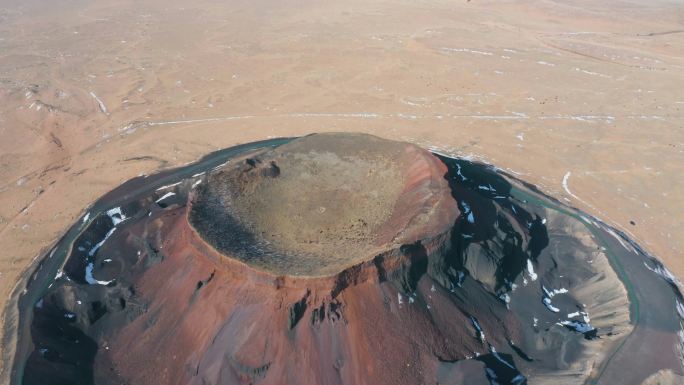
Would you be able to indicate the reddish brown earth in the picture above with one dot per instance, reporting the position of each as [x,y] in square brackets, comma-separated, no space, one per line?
[220,318]
[242,324]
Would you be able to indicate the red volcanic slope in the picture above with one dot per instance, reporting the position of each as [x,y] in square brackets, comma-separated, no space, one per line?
[238,326]
[214,319]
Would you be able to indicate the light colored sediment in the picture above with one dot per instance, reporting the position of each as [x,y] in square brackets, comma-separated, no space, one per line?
[664,377]
[179,80]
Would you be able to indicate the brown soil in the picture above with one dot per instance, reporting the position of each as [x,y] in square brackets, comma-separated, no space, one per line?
[324,202]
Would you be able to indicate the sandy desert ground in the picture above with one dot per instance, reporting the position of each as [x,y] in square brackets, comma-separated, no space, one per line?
[583,98]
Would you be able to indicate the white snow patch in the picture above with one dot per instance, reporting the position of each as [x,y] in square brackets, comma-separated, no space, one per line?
[99,244]
[591,73]
[624,244]
[680,310]
[491,375]
[554,292]
[458,172]
[580,327]
[547,303]
[663,272]
[100,103]
[484,53]
[518,380]
[116,215]
[548,294]
[168,185]
[478,328]
[367,115]
[461,276]
[168,194]
[89,276]
[608,119]
[530,270]
[566,177]
[499,358]
[468,212]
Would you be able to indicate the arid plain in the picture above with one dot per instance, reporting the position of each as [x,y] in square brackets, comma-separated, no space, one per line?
[584,99]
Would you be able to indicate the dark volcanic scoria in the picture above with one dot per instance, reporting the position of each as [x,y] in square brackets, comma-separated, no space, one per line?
[345,259]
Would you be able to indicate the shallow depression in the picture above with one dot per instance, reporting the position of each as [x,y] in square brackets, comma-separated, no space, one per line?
[323,203]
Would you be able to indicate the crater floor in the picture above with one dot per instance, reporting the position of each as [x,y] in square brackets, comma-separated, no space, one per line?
[323,203]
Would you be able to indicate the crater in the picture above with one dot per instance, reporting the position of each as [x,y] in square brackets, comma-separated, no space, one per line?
[323,203]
